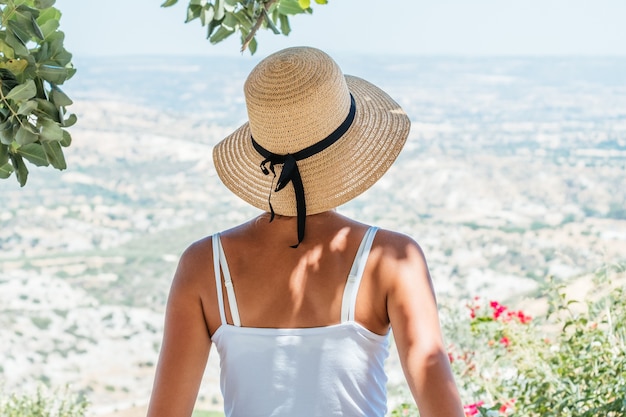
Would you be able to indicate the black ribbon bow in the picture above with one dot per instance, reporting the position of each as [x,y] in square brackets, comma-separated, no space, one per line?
[290,172]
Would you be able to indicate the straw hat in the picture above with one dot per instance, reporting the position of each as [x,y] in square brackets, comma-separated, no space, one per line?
[296,98]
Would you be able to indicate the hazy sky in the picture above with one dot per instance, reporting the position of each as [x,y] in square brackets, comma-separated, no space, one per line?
[440,27]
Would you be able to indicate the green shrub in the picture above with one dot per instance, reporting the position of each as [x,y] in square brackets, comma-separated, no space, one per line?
[43,405]
[568,362]
[201,413]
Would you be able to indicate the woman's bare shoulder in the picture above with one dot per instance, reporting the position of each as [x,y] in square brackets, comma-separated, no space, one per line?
[398,255]
[396,246]
[195,263]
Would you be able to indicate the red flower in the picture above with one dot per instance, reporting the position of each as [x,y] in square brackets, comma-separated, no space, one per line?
[505,341]
[507,406]
[472,409]
[506,315]
[498,309]
[523,318]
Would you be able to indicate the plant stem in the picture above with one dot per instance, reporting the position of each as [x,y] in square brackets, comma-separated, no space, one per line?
[257,25]
[4,101]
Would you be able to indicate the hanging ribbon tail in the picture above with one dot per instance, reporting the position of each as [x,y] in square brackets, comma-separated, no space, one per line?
[298,189]
[272,213]
[266,172]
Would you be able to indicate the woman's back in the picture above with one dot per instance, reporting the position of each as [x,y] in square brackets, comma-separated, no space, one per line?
[279,287]
[325,370]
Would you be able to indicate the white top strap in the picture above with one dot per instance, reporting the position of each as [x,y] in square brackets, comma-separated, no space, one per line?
[218,276]
[228,283]
[351,289]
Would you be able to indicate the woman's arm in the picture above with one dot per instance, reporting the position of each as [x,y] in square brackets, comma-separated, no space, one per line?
[413,313]
[186,341]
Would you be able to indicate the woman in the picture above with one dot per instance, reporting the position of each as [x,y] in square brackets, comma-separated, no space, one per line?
[300,300]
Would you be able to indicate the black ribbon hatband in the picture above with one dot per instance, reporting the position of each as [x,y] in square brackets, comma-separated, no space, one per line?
[290,172]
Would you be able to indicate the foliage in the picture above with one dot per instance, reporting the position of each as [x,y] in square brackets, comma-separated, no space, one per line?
[43,405]
[201,413]
[569,361]
[225,17]
[33,64]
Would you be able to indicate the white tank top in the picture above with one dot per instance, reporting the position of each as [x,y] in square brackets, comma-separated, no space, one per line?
[335,370]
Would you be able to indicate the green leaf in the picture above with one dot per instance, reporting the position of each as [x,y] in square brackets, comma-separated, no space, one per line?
[169,3]
[219,10]
[207,14]
[290,7]
[270,24]
[27,107]
[55,74]
[59,98]
[44,4]
[6,133]
[23,11]
[16,44]
[21,172]
[252,46]
[23,91]
[230,22]
[36,28]
[221,34]
[16,66]
[6,170]
[25,135]
[193,12]
[285,28]
[70,121]
[213,24]
[6,50]
[321,1]
[67,138]
[21,33]
[58,55]
[43,54]
[8,80]
[51,131]
[49,109]
[244,20]
[54,152]
[34,153]
[4,154]
[230,8]
[47,15]
[48,28]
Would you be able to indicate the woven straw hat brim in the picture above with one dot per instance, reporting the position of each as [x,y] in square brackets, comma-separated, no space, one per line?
[331,177]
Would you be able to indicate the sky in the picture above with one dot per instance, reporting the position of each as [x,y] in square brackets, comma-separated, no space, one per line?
[418,27]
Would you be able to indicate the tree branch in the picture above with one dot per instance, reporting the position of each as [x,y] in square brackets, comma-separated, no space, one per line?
[257,25]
